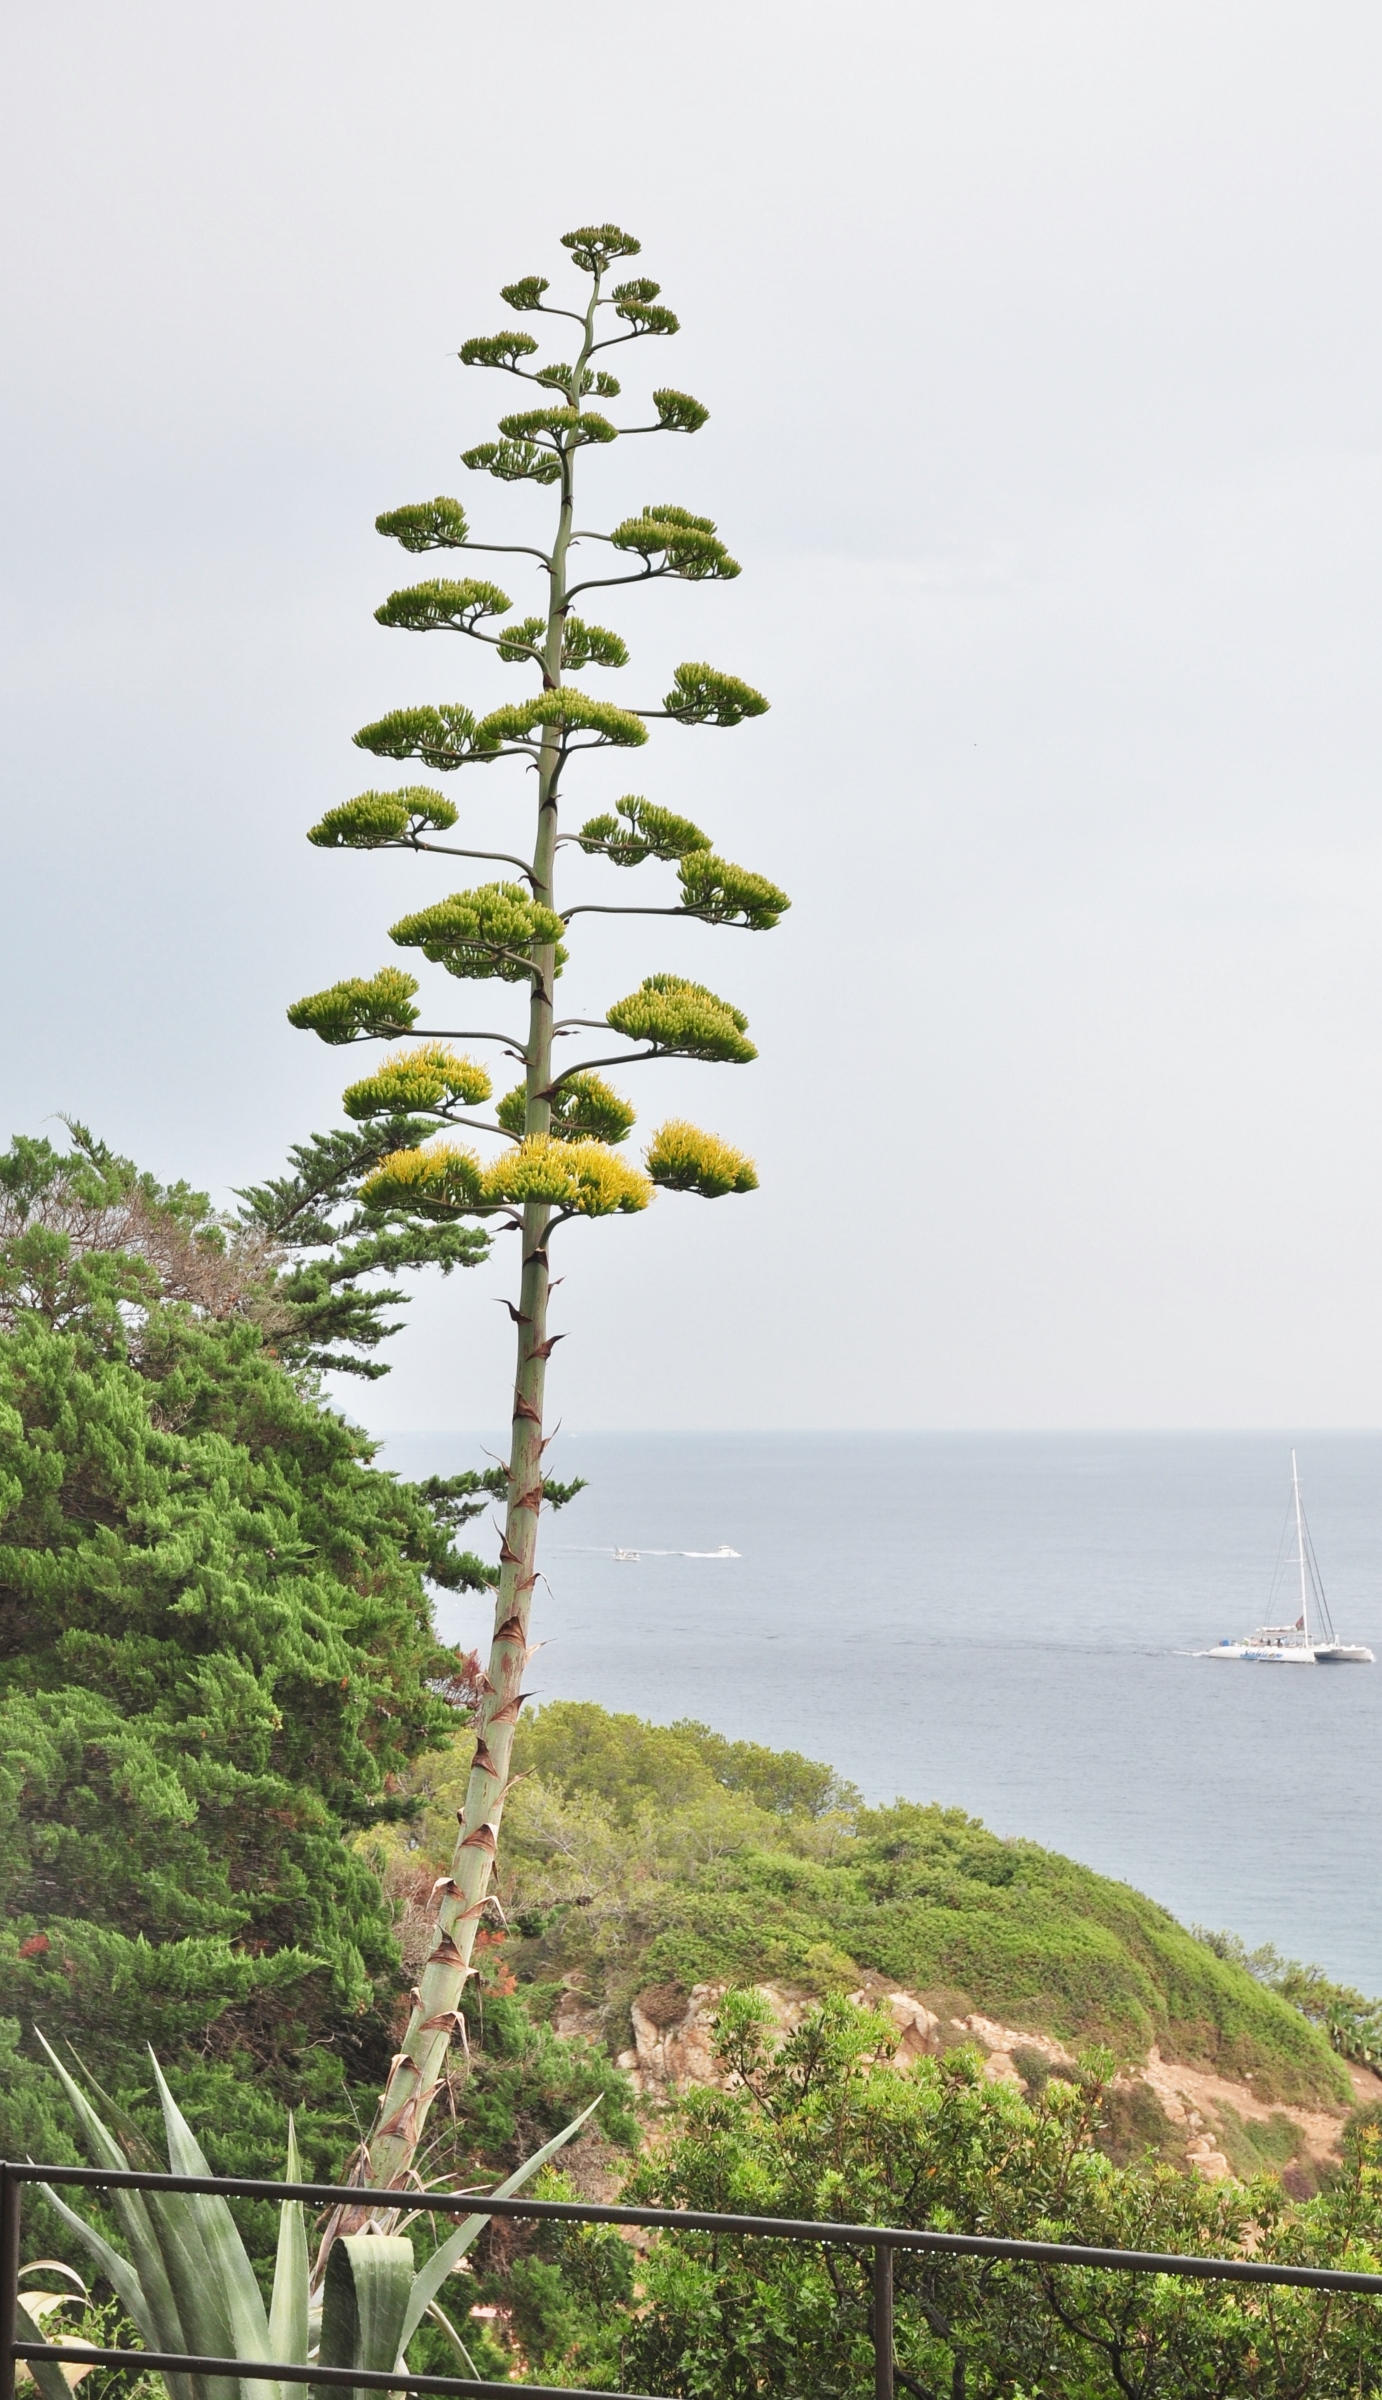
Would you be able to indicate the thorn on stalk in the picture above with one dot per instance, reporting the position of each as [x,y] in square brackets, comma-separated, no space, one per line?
[490,1900]
[508,1714]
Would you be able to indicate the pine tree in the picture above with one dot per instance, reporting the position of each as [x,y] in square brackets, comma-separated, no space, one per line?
[216,1658]
[553,1152]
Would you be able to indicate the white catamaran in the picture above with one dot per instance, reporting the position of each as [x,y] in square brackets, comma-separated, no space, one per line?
[1303,1643]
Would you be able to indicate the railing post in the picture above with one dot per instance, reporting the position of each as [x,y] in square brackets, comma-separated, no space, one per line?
[10,2190]
[882,2321]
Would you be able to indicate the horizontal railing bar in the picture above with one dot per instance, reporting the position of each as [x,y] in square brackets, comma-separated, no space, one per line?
[686,2220]
[372,2379]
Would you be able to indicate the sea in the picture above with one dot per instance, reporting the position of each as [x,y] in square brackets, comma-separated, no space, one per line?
[1001,1622]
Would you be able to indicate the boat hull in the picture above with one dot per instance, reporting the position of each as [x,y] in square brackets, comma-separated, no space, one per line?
[1264,1654]
[1293,1654]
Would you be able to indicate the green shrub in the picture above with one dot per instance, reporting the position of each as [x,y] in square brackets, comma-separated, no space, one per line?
[640,1854]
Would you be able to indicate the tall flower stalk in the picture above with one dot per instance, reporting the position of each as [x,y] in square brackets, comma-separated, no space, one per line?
[553,1152]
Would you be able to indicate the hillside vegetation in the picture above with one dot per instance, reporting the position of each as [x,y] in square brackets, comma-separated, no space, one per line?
[640,1855]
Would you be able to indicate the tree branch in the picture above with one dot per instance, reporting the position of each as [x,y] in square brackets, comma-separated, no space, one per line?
[432,1033]
[504,858]
[476,1124]
[495,640]
[511,549]
[621,1058]
[614,908]
[602,583]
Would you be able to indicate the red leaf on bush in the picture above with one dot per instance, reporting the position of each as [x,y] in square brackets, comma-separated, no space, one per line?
[35,1946]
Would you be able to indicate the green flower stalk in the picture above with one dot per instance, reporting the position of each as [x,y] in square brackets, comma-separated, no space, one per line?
[549,1152]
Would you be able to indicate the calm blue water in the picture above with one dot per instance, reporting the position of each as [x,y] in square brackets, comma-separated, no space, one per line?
[994,1620]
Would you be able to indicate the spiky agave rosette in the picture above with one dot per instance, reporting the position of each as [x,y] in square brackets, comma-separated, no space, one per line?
[186,2279]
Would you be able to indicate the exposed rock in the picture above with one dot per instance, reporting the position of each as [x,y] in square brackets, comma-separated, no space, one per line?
[1197,2098]
[576,2013]
[595,2168]
[918,2030]
[674,2050]
[1206,2160]
[1002,2040]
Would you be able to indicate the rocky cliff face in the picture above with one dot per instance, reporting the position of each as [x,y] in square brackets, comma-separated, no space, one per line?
[1214,2125]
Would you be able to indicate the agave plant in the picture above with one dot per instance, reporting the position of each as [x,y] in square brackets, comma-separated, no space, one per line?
[188,2284]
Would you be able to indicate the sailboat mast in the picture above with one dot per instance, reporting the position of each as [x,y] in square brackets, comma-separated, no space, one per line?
[1300,1550]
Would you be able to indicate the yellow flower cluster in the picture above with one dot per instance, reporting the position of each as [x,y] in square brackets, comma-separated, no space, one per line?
[421,1078]
[583,1176]
[441,1179]
[684,1159]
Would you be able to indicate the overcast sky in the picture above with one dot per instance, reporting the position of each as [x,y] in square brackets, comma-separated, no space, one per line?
[1042,345]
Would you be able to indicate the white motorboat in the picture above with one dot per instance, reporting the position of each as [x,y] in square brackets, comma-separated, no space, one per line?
[626,1558]
[1301,1643]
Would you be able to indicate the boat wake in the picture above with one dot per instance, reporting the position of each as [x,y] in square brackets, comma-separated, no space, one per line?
[630,1558]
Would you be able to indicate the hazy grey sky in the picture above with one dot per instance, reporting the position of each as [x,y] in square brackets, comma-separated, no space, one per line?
[1042,344]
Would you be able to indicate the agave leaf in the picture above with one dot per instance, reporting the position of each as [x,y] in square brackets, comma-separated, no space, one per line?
[208,2265]
[431,2278]
[138,2150]
[190,2262]
[288,2304]
[105,2150]
[369,2277]
[56,2266]
[150,2297]
[118,2272]
[46,2372]
[439,2316]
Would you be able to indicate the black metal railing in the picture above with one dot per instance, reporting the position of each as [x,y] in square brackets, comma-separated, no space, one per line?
[883,2240]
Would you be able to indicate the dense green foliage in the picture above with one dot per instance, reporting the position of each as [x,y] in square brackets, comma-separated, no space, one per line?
[224,1709]
[1350,2020]
[216,1657]
[646,1855]
[814,2131]
[327,1313]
